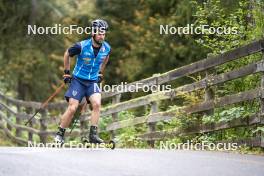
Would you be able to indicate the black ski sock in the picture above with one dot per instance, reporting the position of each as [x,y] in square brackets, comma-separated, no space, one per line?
[61,131]
[93,129]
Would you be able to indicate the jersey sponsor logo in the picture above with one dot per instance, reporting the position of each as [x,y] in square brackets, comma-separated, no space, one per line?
[87,60]
[87,54]
[103,49]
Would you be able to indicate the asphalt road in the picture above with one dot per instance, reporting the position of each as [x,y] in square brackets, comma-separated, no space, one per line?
[15,161]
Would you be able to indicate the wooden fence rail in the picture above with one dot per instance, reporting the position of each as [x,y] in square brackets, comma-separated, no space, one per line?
[13,112]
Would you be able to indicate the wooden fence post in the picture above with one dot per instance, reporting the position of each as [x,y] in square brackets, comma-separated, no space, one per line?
[8,115]
[43,126]
[209,93]
[18,122]
[115,99]
[154,107]
[152,125]
[30,124]
[1,109]
[260,134]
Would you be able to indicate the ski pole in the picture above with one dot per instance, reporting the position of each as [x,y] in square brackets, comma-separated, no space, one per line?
[45,103]
[80,110]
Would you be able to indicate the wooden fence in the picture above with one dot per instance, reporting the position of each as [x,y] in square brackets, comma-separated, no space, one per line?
[21,110]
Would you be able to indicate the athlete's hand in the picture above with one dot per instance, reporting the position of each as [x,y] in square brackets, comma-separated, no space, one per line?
[67,76]
[100,77]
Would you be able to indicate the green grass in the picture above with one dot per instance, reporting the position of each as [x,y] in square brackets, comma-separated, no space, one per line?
[5,141]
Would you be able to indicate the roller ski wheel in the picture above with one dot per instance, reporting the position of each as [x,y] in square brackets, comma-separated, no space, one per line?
[109,144]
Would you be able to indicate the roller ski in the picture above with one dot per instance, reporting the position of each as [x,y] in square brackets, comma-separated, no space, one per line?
[94,141]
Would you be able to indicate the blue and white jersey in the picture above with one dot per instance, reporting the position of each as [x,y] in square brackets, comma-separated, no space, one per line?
[88,65]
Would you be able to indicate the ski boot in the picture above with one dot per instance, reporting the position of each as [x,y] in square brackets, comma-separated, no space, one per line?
[59,138]
[93,136]
[94,141]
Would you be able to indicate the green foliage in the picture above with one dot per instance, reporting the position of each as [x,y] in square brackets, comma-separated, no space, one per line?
[204,138]
[259,129]
[31,66]
[248,21]
[227,115]
[5,141]
[136,38]
[212,13]
[128,137]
